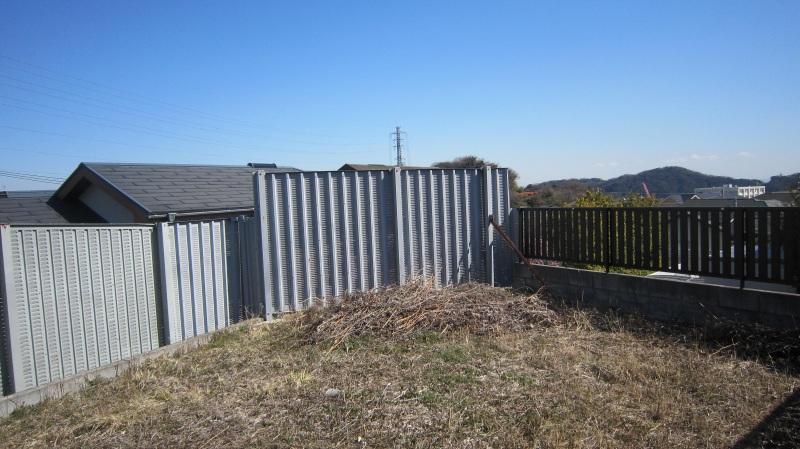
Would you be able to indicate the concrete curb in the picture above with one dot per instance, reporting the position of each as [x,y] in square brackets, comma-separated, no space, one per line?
[666,299]
[76,383]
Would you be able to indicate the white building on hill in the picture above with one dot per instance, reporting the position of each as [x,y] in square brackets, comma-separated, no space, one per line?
[730,191]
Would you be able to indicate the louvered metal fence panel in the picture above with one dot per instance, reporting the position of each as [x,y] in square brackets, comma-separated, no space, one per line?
[200,277]
[251,286]
[77,298]
[325,234]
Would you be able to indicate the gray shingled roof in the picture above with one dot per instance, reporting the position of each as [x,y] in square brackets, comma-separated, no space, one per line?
[41,207]
[740,202]
[164,188]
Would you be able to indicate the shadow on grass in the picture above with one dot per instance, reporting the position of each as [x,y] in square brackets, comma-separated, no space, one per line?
[777,350]
[779,429]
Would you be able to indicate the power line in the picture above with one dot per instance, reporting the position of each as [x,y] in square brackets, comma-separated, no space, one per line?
[102,104]
[104,89]
[114,124]
[158,148]
[30,177]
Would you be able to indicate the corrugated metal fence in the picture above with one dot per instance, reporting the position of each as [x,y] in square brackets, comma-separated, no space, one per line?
[325,234]
[75,298]
[199,277]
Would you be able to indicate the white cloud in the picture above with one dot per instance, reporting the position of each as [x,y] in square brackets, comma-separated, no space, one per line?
[703,157]
[606,164]
[746,154]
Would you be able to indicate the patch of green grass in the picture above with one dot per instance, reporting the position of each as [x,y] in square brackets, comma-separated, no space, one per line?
[523,379]
[225,338]
[451,377]
[453,353]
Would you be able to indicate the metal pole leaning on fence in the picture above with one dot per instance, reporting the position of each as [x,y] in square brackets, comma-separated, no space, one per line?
[508,240]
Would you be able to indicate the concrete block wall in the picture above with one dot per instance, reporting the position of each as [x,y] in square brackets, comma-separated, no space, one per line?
[663,299]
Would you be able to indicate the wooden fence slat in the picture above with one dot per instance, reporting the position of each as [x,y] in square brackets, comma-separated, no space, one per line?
[567,238]
[674,242]
[684,239]
[693,242]
[727,242]
[715,238]
[647,232]
[763,243]
[626,243]
[572,233]
[634,237]
[555,236]
[599,227]
[776,239]
[590,236]
[531,226]
[738,253]
[750,242]
[610,243]
[585,235]
[536,233]
[663,218]
[791,238]
[523,230]
[559,229]
[545,235]
[704,259]
[551,234]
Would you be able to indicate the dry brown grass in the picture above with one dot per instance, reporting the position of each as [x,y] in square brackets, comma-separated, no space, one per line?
[418,307]
[580,380]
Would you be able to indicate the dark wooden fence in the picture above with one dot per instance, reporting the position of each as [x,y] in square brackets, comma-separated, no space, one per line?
[760,244]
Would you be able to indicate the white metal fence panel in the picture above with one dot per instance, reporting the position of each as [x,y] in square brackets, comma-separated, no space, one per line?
[199,277]
[442,225]
[324,234]
[497,199]
[76,297]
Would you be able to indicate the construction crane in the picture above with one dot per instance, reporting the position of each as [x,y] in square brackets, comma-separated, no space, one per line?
[646,190]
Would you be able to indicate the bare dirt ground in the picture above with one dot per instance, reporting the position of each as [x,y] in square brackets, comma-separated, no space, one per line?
[466,367]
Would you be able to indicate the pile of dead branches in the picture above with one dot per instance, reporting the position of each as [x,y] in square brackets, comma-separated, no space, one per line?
[418,307]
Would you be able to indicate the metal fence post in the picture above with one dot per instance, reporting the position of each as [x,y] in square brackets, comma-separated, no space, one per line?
[170,316]
[10,365]
[259,187]
[487,228]
[399,246]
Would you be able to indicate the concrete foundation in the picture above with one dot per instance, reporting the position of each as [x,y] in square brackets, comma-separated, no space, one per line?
[665,300]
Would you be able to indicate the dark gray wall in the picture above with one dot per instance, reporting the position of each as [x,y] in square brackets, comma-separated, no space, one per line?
[665,299]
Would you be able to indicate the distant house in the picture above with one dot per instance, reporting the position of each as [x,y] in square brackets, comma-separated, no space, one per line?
[147,193]
[676,199]
[785,199]
[730,191]
[372,167]
[40,206]
[731,202]
[365,167]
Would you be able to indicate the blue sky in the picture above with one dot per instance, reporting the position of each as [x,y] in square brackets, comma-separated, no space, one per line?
[554,90]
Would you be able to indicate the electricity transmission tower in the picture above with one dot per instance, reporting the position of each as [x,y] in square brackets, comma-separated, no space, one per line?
[398,145]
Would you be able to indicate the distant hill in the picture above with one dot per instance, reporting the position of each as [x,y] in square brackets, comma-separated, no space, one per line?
[671,180]
[783,183]
[659,180]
